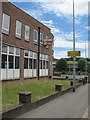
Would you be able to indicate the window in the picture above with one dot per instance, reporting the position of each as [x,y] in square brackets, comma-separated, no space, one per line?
[16,62]
[35,63]
[25,63]
[11,62]
[35,35]
[11,50]
[18,29]
[27,32]
[4,61]
[17,51]
[5,23]
[47,38]
[4,48]
[46,64]
[26,53]
[41,37]
[40,64]
[43,64]
[30,64]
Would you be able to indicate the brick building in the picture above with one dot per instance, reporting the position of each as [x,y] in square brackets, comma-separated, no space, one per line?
[19,38]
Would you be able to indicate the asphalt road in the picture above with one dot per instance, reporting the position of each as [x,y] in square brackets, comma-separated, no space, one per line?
[70,105]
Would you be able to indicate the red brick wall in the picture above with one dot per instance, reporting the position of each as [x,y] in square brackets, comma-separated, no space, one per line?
[17,14]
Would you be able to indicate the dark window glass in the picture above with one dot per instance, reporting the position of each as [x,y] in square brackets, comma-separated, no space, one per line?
[40,64]
[30,63]
[16,62]
[35,63]
[25,63]
[4,61]
[43,64]
[46,64]
[11,62]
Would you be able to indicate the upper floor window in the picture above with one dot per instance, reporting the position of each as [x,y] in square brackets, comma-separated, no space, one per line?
[35,35]
[5,23]
[41,37]
[47,38]
[27,32]
[18,29]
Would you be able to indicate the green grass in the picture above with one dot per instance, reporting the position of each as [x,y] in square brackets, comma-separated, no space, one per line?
[39,89]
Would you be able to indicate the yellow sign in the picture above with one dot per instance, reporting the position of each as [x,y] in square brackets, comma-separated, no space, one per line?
[73,53]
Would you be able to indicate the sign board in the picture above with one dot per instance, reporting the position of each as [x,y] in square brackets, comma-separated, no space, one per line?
[74,53]
[47,42]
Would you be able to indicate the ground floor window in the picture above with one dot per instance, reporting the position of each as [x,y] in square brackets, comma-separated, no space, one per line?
[17,61]
[4,61]
[11,62]
[25,63]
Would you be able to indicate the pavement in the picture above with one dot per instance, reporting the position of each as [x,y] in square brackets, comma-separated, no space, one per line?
[70,105]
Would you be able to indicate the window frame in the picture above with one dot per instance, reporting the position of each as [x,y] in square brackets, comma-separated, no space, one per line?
[5,30]
[18,35]
[41,37]
[27,37]
[35,40]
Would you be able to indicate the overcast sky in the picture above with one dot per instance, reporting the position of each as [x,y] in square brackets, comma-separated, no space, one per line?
[57,15]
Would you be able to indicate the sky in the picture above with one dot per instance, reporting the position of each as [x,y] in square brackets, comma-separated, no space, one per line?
[58,16]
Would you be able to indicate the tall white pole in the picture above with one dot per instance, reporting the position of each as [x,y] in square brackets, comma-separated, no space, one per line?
[73,48]
[85,60]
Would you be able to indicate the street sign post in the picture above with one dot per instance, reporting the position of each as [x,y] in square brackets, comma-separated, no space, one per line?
[47,42]
[74,53]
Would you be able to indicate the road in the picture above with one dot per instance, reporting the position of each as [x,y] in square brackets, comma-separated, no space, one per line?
[70,105]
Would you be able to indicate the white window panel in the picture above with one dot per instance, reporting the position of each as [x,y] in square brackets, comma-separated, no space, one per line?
[41,37]
[35,35]
[5,23]
[27,32]
[18,29]
[47,37]
[4,48]
[17,52]
[11,50]
[26,53]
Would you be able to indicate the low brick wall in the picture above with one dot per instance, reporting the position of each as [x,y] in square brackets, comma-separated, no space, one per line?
[23,108]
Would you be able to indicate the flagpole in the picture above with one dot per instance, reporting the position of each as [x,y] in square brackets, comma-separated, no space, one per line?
[73,48]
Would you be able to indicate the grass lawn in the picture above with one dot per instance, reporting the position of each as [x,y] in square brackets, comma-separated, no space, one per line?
[39,89]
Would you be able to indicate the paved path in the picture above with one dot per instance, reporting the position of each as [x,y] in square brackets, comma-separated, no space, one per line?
[70,105]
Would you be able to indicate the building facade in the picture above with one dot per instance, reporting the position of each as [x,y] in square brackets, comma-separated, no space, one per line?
[19,44]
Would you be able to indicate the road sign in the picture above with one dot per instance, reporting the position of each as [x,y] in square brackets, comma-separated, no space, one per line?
[74,53]
[48,42]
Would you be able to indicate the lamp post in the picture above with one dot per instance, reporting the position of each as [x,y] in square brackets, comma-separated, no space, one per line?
[85,60]
[38,57]
[73,49]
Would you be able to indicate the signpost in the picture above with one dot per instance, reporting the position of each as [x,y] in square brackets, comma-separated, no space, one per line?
[74,53]
[47,42]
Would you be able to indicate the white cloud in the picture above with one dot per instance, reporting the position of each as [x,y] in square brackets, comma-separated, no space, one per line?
[60,54]
[51,25]
[61,43]
[88,28]
[66,8]
[34,13]
[45,1]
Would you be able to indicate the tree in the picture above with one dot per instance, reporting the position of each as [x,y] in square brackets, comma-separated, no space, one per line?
[81,64]
[61,65]
[88,68]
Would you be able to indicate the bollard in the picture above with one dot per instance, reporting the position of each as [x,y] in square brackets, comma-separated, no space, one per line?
[58,87]
[24,97]
[71,83]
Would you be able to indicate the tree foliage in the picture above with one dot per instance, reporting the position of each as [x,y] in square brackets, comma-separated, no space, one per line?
[61,65]
[81,64]
[88,68]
